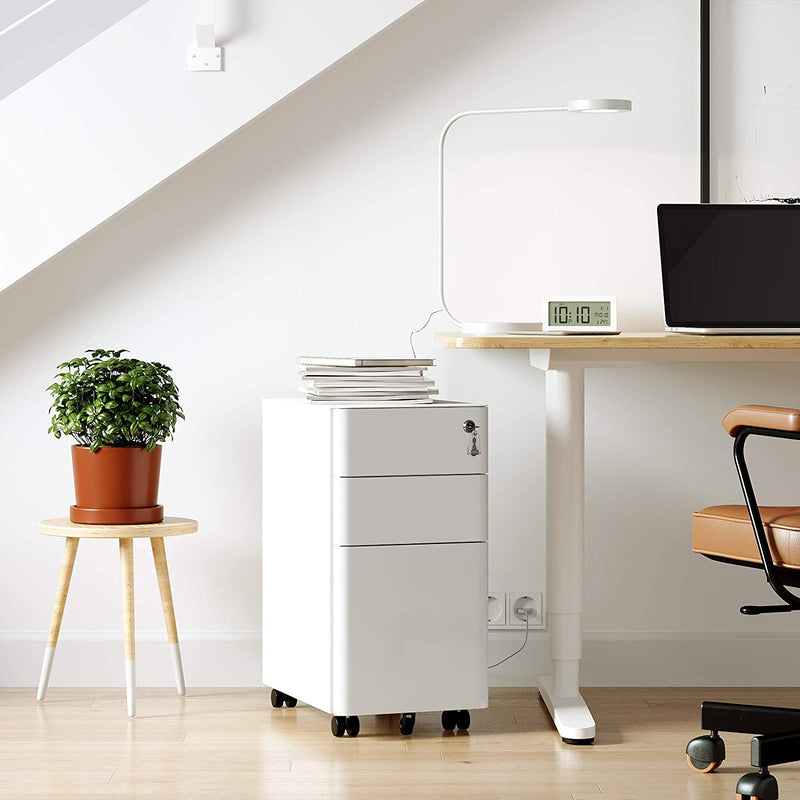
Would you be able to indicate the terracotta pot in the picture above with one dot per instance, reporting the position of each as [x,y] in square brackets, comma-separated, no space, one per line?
[116,485]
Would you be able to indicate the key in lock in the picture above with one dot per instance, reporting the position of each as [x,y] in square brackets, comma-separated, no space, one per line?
[474,443]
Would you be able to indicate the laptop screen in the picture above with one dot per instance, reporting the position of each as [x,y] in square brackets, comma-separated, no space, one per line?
[729,266]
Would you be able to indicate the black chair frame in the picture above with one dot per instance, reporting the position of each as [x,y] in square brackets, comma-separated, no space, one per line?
[776,578]
[778,729]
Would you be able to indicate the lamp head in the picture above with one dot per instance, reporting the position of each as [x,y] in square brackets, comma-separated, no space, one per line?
[601,106]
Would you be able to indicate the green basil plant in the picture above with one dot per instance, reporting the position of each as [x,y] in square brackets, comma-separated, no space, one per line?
[104,400]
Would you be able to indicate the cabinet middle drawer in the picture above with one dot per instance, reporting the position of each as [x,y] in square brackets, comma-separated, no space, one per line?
[427,509]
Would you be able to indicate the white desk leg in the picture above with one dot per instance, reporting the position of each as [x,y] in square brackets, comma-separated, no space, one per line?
[565,538]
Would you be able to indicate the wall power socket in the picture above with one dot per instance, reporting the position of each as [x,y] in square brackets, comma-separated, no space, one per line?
[529,601]
[497,609]
[504,610]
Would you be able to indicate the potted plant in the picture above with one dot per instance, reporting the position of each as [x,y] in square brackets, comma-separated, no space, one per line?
[119,410]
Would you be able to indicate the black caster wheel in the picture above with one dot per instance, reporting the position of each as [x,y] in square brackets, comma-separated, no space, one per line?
[705,753]
[290,701]
[407,724]
[277,698]
[463,720]
[755,786]
[352,725]
[449,720]
[338,726]
[702,766]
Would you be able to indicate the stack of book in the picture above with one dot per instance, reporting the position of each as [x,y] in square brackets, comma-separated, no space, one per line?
[361,381]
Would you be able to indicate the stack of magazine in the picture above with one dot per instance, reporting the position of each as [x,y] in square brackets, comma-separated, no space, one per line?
[363,381]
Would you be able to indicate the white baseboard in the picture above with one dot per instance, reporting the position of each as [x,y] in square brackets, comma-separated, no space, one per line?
[658,659]
[234,659]
[97,659]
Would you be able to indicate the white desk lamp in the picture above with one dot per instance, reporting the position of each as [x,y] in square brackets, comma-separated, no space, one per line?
[603,106]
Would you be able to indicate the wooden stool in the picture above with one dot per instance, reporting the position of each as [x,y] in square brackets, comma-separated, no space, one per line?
[155,532]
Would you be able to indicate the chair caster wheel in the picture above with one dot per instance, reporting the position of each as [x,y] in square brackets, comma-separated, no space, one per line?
[705,753]
[352,725]
[407,724]
[338,726]
[755,786]
[702,766]
[463,720]
[449,720]
[277,698]
[290,701]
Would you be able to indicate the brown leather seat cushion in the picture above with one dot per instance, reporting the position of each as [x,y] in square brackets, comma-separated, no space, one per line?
[726,532]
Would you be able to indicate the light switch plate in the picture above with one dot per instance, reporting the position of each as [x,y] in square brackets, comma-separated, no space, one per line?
[205,59]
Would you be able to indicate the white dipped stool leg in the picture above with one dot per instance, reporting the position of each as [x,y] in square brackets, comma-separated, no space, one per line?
[126,575]
[67,563]
[160,558]
[130,685]
[177,667]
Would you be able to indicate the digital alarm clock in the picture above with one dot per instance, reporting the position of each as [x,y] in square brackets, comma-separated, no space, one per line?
[587,314]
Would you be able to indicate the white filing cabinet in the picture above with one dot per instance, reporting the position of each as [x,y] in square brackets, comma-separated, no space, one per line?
[375,560]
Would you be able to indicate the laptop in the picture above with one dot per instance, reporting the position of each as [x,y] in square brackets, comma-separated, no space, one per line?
[730,268]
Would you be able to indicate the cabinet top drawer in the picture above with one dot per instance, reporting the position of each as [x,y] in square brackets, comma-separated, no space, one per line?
[416,440]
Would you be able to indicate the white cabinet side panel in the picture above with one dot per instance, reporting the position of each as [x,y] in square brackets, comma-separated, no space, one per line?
[418,509]
[296,572]
[410,628]
[419,440]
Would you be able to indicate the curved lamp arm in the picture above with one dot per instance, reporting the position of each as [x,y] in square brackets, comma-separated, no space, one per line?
[445,130]
[598,106]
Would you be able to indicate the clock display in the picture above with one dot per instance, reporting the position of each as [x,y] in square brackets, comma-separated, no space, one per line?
[588,313]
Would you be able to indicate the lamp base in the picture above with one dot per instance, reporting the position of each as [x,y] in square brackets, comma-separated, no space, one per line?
[508,328]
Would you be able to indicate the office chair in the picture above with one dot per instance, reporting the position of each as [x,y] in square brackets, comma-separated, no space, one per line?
[766,538]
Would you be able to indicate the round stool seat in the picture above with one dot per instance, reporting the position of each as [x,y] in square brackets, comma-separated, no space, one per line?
[170,526]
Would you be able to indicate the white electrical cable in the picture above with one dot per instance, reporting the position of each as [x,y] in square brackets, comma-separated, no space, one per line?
[419,330]
[524,641]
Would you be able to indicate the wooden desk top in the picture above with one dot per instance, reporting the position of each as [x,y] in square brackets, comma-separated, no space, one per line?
[634,340]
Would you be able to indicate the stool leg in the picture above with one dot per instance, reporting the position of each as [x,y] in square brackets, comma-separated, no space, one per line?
[67,563]
[126,570]
[160,558]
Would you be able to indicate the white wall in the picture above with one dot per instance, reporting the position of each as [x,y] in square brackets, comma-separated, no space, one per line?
[754,100]
[32,42]
[14,10]
[314,229]
[122,113]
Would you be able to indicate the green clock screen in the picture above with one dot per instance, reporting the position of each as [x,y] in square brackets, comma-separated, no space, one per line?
[588,313]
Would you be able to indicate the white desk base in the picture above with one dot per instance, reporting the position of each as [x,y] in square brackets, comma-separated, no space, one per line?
[564,411]
[571,715]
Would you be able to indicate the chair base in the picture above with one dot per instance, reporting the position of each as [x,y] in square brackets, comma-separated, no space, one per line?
[777,742]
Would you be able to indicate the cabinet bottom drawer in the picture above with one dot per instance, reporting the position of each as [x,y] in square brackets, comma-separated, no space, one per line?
[409,628]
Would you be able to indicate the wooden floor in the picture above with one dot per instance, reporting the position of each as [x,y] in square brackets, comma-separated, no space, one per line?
[230,743]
